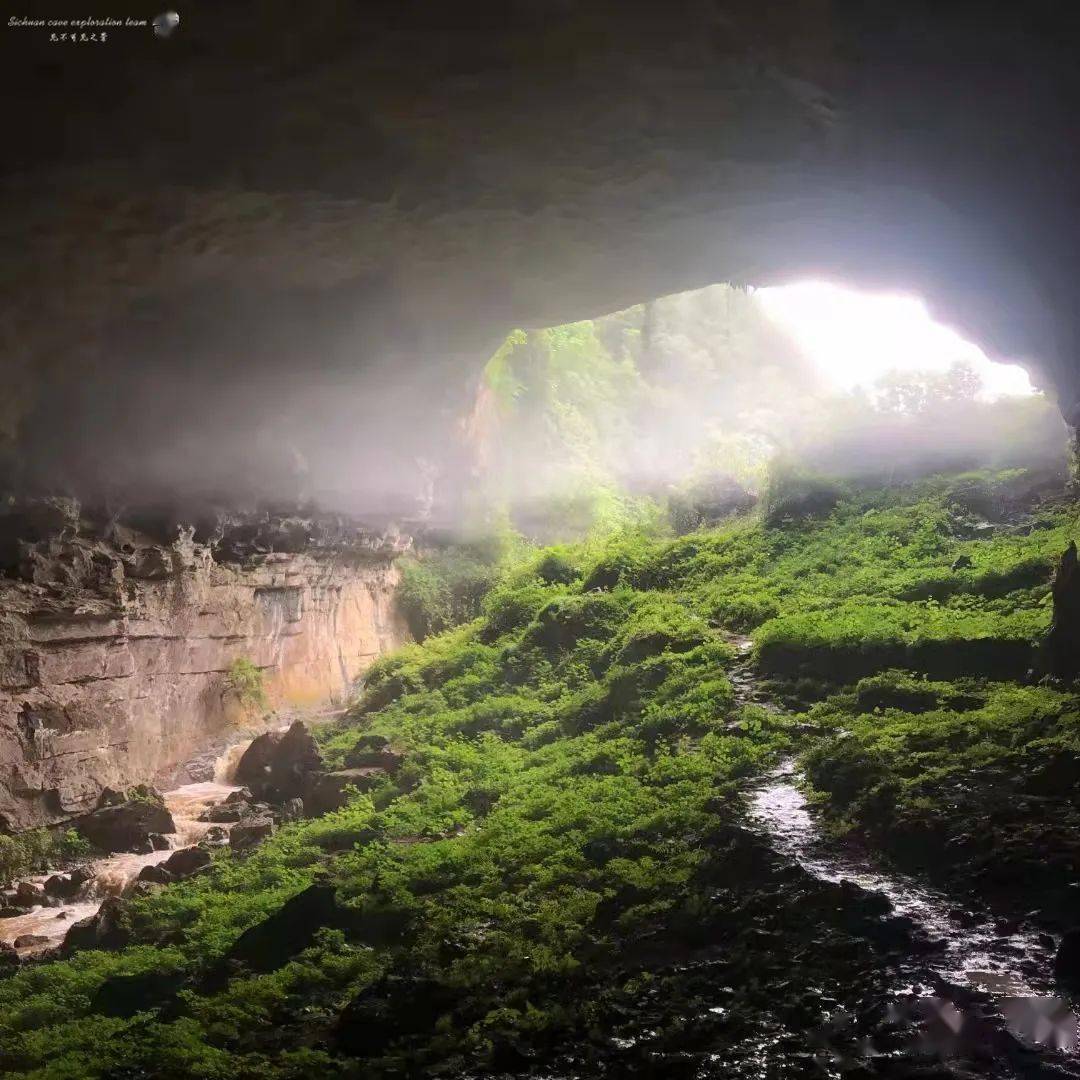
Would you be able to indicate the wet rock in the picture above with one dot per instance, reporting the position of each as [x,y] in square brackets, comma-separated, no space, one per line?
[126,827]
[68,886]
[186,861]
[28,894]
[225,815]
[279,766]
[30,941]
[156,874]
[250,833]
[158,842]
[1067,960]
[215,836]
[139,890]
[104,930]
[330,791]
[240,795]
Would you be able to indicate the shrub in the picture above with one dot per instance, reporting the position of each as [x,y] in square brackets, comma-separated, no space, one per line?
[244,680]
[794,495]
[445,588]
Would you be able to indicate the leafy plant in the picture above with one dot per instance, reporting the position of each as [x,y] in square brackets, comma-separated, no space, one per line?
[246,682]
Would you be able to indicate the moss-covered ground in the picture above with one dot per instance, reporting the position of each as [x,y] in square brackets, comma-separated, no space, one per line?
[558,880]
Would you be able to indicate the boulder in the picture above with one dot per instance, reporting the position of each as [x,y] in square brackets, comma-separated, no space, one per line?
[215,836]
[224,815]
[241,795]
[250,832]
[329,792]
[1067,960]
[255,766]
[68,886]
[1061,647]
[126,827]
[278,766]
[268,945]
[126,995]
[292,810]
[373,751]
[186,861]
[9,955]
[30,941]
[156,874]
[158,842]
[104,930]
[28,894]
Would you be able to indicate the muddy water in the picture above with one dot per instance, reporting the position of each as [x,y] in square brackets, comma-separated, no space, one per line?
[115,872]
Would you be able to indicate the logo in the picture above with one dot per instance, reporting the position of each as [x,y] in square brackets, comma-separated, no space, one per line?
[165,24]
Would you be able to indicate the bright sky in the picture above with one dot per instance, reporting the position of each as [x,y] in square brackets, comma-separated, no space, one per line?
[854,338]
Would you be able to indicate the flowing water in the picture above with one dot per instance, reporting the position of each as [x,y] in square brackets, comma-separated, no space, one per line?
[966,950]
[115,872]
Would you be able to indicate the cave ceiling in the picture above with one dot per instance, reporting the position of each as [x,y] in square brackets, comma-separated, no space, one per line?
[267,256]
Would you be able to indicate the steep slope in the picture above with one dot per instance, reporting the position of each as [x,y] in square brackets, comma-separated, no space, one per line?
[558,875]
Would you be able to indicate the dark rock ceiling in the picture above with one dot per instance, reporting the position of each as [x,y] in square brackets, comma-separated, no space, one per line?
[270,253]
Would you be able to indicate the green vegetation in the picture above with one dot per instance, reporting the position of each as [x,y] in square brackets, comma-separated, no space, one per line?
[444,587]
[574,757]
[37,850]
[245,681]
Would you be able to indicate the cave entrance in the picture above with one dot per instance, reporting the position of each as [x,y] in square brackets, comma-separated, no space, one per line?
[718,388]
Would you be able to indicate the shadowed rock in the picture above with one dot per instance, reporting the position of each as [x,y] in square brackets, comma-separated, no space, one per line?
[104,930]
[126,827]
[186,861]
[126,995]
[1061,649]
[250,833]
[279,766]
[68,886]
[393,1008]
[1067,960]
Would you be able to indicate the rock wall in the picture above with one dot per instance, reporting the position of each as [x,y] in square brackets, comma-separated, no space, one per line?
[113,662]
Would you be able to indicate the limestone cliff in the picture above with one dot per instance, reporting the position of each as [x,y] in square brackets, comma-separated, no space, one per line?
[113,652]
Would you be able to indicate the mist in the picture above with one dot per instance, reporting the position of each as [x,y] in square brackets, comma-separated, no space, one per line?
[714,390]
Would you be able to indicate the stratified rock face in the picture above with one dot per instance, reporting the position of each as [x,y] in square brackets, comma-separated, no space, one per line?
[108,677]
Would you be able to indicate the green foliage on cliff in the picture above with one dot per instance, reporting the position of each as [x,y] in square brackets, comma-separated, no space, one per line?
[573,762]
[245,680]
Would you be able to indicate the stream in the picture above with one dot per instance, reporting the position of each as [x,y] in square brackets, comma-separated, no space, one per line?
[115,872]
[970,954]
